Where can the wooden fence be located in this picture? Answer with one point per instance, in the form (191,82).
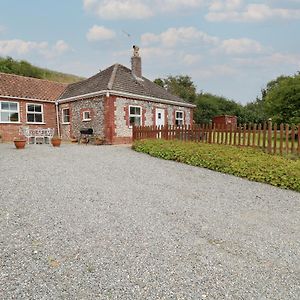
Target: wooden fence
(274,139)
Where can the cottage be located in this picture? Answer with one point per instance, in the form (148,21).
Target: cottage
(26,101)
(110,103)
(114,100)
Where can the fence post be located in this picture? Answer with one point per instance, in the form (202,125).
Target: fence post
(293,139)
(275,138)
(269,137)
(287,129)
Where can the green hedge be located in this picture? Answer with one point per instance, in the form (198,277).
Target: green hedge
(243,162)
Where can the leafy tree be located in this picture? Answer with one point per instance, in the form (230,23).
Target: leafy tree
(180,85)
(281,99)
(209,106)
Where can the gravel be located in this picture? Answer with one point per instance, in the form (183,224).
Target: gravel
(88,222)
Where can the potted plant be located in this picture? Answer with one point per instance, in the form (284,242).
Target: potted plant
(84,140)
(73,139)
(20,142)
(56,141)
(98,140)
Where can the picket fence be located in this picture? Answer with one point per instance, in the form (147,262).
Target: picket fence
(274,139)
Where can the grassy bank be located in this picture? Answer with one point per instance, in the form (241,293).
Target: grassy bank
(243,162)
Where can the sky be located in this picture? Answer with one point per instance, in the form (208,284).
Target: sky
(230,48)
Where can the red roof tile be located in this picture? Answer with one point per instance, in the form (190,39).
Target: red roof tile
(30,88)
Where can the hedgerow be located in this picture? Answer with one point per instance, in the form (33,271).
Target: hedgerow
(249,163)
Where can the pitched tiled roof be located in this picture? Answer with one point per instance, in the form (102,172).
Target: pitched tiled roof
(118,78)
(31,88)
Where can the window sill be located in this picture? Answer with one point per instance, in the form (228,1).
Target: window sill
(36,123)
(10,123)
(86,120)
(67,123)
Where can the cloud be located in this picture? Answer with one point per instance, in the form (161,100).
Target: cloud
(218,5)
(175,36)
(21,47)
(230,11)
(241,46)
(100,33)
(61,47)
(191,59)
(174,5)
(270,60)
(137,9)
(118,9)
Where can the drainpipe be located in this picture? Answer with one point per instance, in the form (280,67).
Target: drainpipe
(57,118)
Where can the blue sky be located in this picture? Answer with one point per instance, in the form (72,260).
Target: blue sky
(229,47)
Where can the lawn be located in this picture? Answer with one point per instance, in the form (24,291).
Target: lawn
(249,163)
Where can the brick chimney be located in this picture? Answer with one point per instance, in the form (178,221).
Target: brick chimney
(136,63)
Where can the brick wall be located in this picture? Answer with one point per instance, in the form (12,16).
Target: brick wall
(11,130)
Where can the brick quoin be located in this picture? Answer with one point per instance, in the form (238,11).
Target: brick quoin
(109,119)
(166,117)
(154,116)
(11,130)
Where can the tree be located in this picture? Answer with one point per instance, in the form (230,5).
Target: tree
(209,106)
(281,99)
(180,85)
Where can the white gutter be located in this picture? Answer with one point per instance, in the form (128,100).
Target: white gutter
(127,95)
(28,99)
(57,118)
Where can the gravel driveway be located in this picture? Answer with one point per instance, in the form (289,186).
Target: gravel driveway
(87,222)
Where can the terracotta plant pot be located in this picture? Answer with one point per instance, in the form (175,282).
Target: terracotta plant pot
(74,140)
(98,141)
(84,140)
(19,143)
(55,142)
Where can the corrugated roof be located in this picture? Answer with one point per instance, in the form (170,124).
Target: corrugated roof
(118,78)
(30,88)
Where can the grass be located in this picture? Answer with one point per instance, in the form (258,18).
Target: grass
(248,163)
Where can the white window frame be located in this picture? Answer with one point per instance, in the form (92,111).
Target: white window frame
(83,116)
(33,112)
(9,111)
(134,115)
(179,119)
(62,115)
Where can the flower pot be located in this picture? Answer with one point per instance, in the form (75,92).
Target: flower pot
(98,141)
(55,142)
(20,144)
(84,140)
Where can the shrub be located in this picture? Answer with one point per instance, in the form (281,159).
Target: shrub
(248,163)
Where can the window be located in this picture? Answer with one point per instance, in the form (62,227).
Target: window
(34,113)
(9,112)
(135,117)
(179,118)
(65,115)
(86,116)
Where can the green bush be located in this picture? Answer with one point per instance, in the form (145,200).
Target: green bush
(243,162)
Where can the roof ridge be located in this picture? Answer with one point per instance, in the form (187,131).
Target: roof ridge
(33,78)
(112,77)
